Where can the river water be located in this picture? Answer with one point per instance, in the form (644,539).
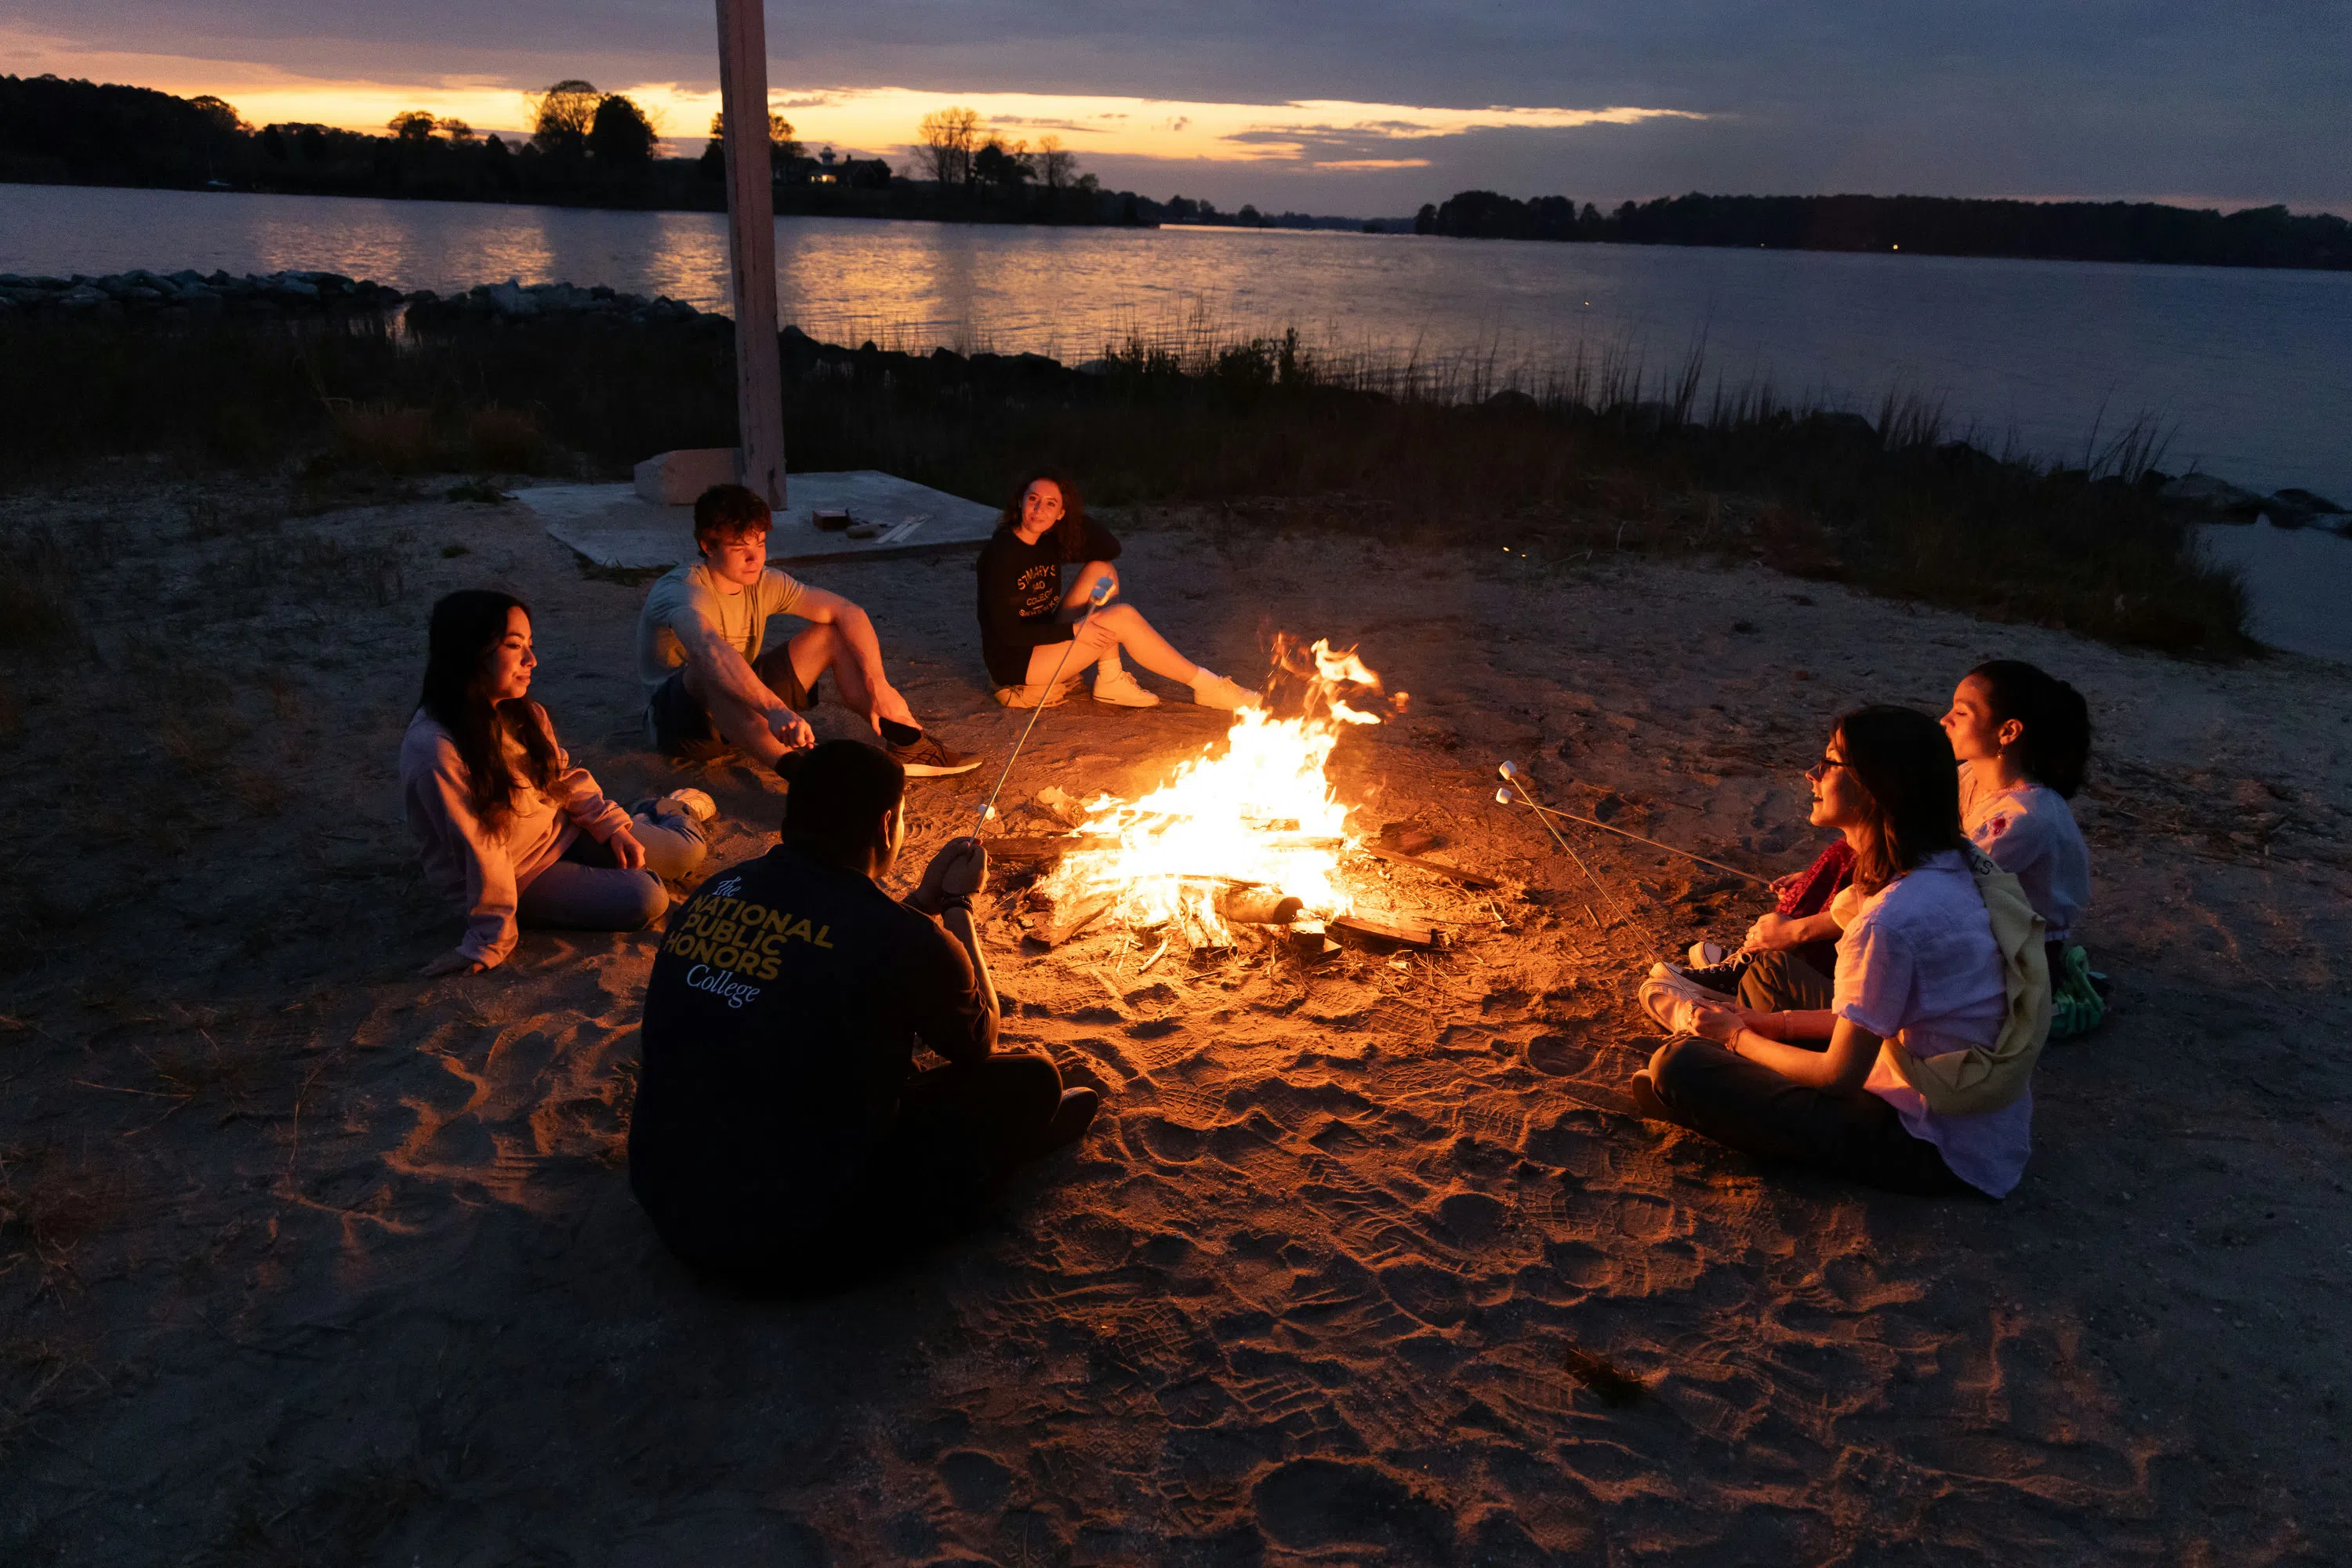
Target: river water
(2250,372)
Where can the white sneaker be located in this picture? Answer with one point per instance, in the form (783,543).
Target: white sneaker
(1707,955)
(695,802)
(1035,696)
(1121,690)
(1673,1000)
(1210,689)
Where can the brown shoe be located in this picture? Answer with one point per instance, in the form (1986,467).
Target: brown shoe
(1644,1095)
(927,759)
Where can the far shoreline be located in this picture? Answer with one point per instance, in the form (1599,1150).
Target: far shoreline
(1389,228)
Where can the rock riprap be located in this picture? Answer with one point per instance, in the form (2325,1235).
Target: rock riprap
(514,299)
(142,292)
(305,292)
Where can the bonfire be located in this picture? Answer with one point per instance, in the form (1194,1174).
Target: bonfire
(1252,831)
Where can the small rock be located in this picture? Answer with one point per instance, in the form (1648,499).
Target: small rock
(510,298)
(2203,492)
(2300,509)
(1058,803)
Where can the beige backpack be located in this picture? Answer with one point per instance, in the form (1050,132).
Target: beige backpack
(1987,1077)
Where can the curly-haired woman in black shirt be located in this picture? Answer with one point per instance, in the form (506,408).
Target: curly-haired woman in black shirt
(1028,620)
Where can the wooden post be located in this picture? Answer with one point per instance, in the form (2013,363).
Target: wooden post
(752,245)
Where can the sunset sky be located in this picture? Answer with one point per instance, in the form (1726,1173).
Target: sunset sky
(1368,108)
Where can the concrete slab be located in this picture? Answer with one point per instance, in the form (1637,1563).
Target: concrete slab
(2298,583)
(612,525)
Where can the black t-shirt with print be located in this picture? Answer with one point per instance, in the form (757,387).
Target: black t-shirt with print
(780,1026)
(1021,595)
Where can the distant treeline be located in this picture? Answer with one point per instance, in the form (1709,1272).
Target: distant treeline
(587,149)
(2071,231)
(1184,209)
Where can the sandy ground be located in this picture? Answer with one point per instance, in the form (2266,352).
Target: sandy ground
(308,1262)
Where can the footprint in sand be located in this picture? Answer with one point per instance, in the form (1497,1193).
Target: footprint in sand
(1559,1056)
(1493,1123)
(977,1483)
(1310,1504)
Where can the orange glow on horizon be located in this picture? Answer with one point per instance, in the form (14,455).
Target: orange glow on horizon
(1323,134)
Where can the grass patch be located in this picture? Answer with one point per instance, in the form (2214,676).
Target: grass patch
(505,440)
(1568,463)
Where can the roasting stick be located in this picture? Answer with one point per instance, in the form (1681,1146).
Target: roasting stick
(1505,797)
(1515,778)
(1095,600)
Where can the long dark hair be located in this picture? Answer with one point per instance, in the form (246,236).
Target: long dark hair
(468,626)
(1070,535)
(2057,740)
(1903,759)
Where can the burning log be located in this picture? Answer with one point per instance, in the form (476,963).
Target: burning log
(1040,848)
(1063,920)
(1258,905)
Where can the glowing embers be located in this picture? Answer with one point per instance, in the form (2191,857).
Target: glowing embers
(1260,815)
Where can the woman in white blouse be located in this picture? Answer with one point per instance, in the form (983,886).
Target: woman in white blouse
(1917,965)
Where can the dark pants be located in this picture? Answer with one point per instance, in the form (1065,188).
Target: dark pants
(1730,976)
(1786,982)
(960,1133)
(1750,1107)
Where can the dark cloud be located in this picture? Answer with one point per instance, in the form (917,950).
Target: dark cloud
(2077,98)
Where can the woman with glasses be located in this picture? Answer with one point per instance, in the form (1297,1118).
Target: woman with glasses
(1914,1073)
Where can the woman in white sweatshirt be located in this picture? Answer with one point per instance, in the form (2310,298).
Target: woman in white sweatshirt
(512,833)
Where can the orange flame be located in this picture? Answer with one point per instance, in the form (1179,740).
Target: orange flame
(1263,812)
